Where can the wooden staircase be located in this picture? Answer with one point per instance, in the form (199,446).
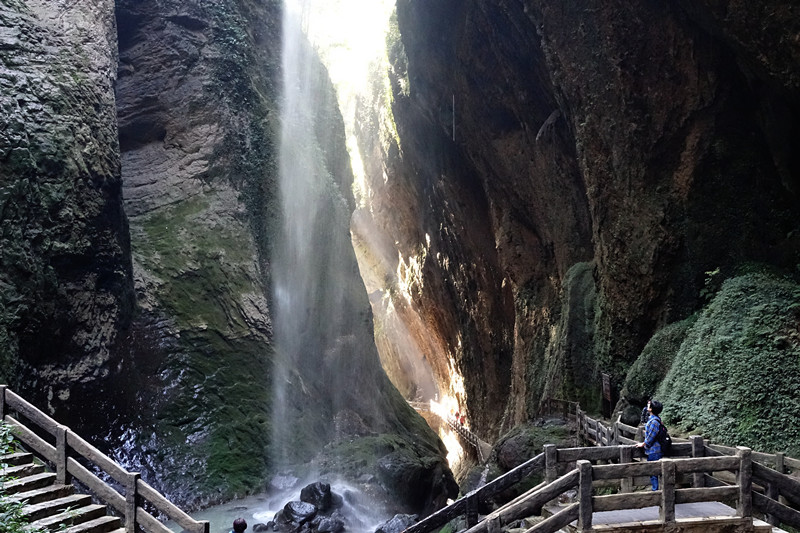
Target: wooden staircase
(48,505)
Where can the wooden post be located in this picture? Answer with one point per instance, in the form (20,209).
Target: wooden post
(780,466)
(667,511)
(780,462)
(550,462)
(130,501)
(472,510)
(771,490)
(626,456)
(698,450)
(639,437)
(3,401)
(584,495)
(204,526)
(745,481)
(62,477)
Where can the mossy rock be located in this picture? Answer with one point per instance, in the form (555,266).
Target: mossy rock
(513,449)
(652,366)
(736,376)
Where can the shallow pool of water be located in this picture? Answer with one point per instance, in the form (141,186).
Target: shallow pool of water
(361,515)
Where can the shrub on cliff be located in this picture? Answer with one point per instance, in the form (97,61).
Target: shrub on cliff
(652,366)
(736,376)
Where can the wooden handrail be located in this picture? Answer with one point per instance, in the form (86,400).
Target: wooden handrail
(693,458)
(768,470)
(585,473)
(497,485)
(532,503)
(58,454)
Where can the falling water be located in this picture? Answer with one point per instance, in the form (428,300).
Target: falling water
(319,324)
(299,264)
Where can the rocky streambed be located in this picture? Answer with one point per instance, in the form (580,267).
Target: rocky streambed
(291,506)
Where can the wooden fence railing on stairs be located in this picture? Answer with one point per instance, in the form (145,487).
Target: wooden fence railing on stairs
(714,474)
(65,451)
(773,489)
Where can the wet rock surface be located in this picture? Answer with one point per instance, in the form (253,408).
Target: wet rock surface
(397,523)
(66,288)
(319,510)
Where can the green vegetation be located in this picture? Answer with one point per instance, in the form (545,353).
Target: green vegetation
(11,518)
(219,401)
(246,74)
(398,61)
(651,367)
(207,265)
(736,376)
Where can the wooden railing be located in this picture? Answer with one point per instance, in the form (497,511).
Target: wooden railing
(468,436)
(775,494)
(750,480)
(468,504)
(64,451)
(552,406)
(584,475)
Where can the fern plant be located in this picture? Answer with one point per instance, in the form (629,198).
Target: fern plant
(12,519)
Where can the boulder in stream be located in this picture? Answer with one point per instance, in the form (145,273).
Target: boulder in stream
(397,523)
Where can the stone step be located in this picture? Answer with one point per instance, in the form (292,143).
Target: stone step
(29,483)
(50,492)
(44,509)
(20,471)
(18,458)
(67,519)
(104,524)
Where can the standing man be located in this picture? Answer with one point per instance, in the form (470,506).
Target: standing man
(651,445)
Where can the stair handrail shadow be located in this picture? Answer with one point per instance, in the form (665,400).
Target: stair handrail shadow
(61,453)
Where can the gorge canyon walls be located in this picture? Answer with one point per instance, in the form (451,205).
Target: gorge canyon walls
(66,287)
(568,178)
(549,185)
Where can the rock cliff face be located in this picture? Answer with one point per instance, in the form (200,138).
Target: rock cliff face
(565,175)
(65,269)
(196,96)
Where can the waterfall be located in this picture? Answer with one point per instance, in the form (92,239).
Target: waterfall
(314,273)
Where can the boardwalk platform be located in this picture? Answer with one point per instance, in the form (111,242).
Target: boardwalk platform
(689,517)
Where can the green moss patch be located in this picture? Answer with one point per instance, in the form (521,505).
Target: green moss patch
(736,376)
(652,366)
(206,266)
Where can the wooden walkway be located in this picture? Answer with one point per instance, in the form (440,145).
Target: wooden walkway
(705,515)
(482,448)
(696,481)
(49,505)
(57,464)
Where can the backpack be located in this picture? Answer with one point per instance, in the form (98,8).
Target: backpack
(663,438)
